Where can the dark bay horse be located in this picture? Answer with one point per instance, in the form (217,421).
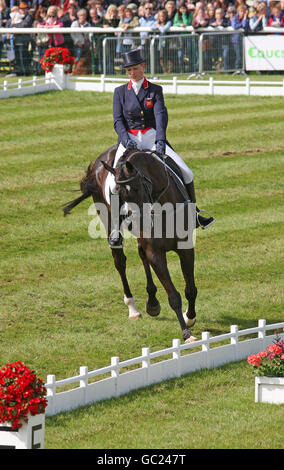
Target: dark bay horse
(143,178)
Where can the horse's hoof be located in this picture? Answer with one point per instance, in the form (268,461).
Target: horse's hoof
(189,321)
(191,339)
(135,316)
(153,310)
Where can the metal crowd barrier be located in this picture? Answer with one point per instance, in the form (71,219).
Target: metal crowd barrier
(167,54)
(221,52)
(185,52)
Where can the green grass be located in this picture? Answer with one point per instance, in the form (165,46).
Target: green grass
(62,300)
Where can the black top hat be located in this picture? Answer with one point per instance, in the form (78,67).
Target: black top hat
(133,57)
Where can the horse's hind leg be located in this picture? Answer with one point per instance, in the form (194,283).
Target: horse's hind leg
(187,265)
(120,264)
(159,264)
(153,307)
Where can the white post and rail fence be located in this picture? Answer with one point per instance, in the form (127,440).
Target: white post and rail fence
(180,359)
(57,81)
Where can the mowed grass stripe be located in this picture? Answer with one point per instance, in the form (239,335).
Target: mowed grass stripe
(46,172)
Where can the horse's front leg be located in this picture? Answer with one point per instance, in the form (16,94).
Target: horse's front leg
(159,264)
(153,307)
(120,264)
(187,265)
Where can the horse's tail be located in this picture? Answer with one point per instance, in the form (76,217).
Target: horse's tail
(69,206)
(87,188)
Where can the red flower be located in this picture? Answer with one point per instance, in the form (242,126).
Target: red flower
(21,393)
(271,361)
(56,55)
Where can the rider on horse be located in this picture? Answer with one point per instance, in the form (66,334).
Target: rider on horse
(140,120)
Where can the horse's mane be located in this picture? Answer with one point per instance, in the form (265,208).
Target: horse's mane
(153,162)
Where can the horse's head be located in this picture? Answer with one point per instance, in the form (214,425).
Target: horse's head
(131,183)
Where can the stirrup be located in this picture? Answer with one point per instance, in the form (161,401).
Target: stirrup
(114,244)
(207,220)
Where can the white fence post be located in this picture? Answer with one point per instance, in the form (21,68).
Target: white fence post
(175,85)
(248,86)
(84,381)
(115,373)
(235,340)
(176,355)
(102,83)
(51,391)
(5,88)
(20,83)
(211,85)
(206,347)
(262,332)
(146,363)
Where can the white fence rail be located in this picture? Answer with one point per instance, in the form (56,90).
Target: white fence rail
(60,81)
(149,373)
(27,87)
(246,87)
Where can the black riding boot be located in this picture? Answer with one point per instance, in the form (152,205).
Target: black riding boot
(203,222)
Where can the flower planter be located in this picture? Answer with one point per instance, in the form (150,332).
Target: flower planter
(269,390)
(29,436)
(59,76)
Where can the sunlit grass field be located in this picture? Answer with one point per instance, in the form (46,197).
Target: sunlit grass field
(62,300)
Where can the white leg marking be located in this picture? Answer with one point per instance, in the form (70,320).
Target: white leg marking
(189,321)
(133,312)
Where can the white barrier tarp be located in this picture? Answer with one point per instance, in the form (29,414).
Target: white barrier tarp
(264,53)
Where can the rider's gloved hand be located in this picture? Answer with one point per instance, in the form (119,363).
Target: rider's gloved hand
(161,147)
(130,144)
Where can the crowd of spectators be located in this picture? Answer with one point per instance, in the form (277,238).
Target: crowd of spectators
(159,15)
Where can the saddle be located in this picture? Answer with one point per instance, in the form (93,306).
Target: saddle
(175,173)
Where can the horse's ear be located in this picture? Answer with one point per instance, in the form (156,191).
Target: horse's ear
(108,167)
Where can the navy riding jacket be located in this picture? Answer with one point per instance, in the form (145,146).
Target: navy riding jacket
(147,109)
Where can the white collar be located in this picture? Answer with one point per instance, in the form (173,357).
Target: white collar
(137,85)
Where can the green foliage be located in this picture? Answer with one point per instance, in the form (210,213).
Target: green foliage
(61,298)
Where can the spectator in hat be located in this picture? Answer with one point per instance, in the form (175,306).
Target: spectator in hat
(22,41)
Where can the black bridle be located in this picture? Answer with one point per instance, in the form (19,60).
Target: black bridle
(146,180)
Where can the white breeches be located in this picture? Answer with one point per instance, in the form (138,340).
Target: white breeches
(146,141)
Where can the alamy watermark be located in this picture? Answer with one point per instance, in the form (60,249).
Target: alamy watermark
(171,221)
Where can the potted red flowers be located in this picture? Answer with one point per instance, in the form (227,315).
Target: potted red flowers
(269,367)
(57,56)
(22,407)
